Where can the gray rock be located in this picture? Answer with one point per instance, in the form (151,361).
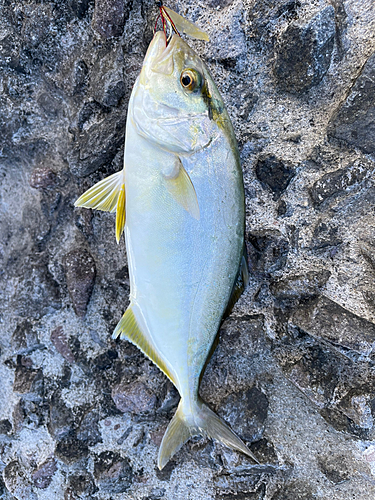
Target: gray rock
(24,338)
(109,17)
(299,286)
(26,378)
(293,370)
(5,426)
(334,184)
(325,319)
(60,342)
(112,472)
(80,485)
(268,252)
(354,121)
(17,482)
(42,477)
(136,398)
(42,178)
(246,411)
(296,490)
(61,420)
(80,271)
(335,468)
(303,54)
(70,450)
(88,430)
(274,173)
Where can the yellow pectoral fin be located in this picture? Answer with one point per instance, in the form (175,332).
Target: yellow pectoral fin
(182,190)
(185,26)
(120,213)
(107,195)
(129,329)
(104,195)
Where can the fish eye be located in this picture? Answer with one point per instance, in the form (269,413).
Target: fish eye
(190,80)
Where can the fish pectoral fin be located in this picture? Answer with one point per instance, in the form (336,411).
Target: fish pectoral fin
(240,284)
(129,329)
(181,189)
(120,213)
(185,26)
(107,195)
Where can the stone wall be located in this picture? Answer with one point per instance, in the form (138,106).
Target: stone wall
(82,416)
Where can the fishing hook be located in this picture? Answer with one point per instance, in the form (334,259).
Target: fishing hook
(166,22)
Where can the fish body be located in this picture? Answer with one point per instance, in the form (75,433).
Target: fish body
(184,229)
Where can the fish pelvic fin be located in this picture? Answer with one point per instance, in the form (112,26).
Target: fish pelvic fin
(182,190)
(199,419)
(107,195)
(128,328)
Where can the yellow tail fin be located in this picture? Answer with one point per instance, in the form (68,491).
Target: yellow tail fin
(195,420)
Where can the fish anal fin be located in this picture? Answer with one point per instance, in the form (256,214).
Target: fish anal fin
(180,187)
(129,329)
(239,285)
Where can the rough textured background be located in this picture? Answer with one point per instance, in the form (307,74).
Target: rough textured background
(82,416)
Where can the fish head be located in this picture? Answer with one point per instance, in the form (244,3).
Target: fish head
(175,102)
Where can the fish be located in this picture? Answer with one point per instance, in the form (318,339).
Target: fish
(179,200)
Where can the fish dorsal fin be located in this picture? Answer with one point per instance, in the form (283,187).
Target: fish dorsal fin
(129,329)
(185,26)
(182,190)
(240,284)
(107,195)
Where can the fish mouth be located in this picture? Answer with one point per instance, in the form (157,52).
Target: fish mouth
(159,56)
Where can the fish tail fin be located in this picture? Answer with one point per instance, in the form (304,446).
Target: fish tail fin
(199,420)
(176,435)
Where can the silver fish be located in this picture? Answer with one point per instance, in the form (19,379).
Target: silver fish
(182,191)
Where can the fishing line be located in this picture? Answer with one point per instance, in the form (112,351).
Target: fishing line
(166,22)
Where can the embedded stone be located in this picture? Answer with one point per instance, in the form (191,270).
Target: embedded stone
(109,17)
(134,398)
(300,286)
(26,378)
(331,185)
(42,178)
(112,472)
(80,271)
(323,318)
(17,482)
(43,476)
(60,342)
(354,121)
(274,173)
(303,54)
